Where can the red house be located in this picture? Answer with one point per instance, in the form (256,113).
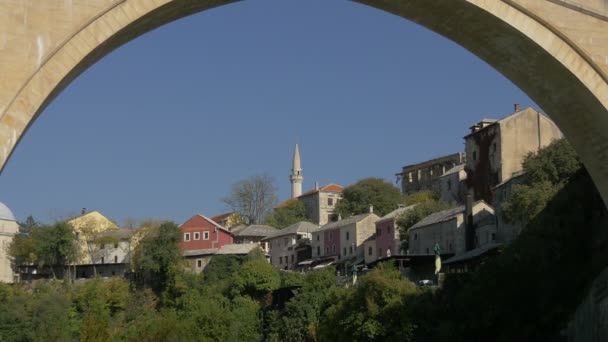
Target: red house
(201,232)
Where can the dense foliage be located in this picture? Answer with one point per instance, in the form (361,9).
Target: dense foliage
(527,293)
(51,246)
(283,217)
(357,198)
(547,172)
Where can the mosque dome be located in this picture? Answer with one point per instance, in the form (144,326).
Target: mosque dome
(6,213)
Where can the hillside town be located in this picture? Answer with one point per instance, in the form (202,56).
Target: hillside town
(474,182)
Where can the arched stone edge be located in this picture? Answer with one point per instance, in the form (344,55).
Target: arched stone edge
(553,73)
(106,31)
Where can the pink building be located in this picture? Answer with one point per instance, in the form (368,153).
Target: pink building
(387,233)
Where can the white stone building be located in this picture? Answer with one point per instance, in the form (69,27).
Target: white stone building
(282,244)
(8,229)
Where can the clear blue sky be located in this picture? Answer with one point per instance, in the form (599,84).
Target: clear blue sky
(164,125)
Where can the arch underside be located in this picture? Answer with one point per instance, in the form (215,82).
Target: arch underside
(573,93)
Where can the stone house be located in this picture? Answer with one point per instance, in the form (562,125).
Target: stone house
(424,176)
(495,149)
(388,241)
(506,232)
(449,229)
(254,234)
(8,229)
(87,226)
(110,254)
(284,244)
(452,185)
(320,202)
(344,238)
(199,259)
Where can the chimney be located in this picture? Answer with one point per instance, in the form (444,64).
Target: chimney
(316,186)
(371,209)
(83,211)
(468,223)
(516,108)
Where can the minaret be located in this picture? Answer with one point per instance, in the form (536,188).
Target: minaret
(296,174)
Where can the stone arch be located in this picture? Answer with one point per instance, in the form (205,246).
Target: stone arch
(516,37)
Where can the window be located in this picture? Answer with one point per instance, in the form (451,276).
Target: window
(318,235)
(205,235)
(427,251)
(319,250)
(415,236)
(326,250)
(187,237)
(197,236)
(330,201)
(333,248)
(102,261)
(199,263)
(449,184)
(493,237)
(116,259)
(280,260)
(350,250)
(474,155)
(347,235)
(388,229)
(494,147)
(292,258)
(370,251)
(286,241)
(331,236)
(450,246)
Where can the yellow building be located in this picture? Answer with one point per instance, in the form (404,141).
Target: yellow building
(86,227)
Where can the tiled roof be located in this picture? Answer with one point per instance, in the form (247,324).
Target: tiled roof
(347,221)
(219,226)
(293,229)
(472,253)
(328,188)
(393,214)
(286,203)
(244,248)
(257,230)
(440,216)
(195,252)
(443,215)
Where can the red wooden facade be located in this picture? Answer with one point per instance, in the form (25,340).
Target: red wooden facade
(200,232)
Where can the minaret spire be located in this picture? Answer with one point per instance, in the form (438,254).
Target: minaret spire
(296,177)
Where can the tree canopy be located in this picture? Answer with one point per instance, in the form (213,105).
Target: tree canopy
(293,212)
(357,198)
(547,171)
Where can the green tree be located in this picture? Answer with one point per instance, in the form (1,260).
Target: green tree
(253,198)
(256,278)
(357,198)
(157,258)
(293,212)
(547,172)
(370,311)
